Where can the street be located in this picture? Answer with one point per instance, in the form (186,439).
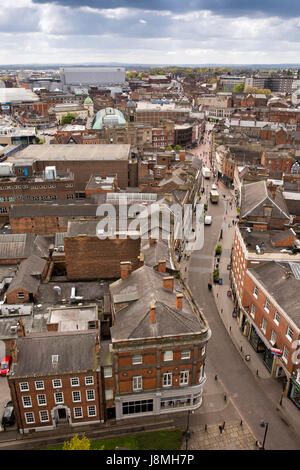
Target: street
(248,395)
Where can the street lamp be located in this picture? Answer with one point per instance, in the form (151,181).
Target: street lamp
(187,431)
(266,426)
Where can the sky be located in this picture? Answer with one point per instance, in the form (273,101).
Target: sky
(170,32)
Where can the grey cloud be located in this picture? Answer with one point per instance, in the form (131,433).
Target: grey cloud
(286,9)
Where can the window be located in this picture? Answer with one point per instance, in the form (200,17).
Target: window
(167,379)
(39,385)
(184,377)
(29,418)
(90,395)
(24,386)
(140,406)
(27,401)
(273,338)
(289,333)
(21,295)
(89,380)
(264,325)
(267,306)
(203,349)
(255,292)
(137,383)
(92,410)
(285,354)
(56,383)
(201,371)
(59,397)
(74,381)
(76,396)
(41,399)
(44,417)
(276,318)
(137,359)
(107,371)
(109,394)
(252,311)
(186,355)
(168,356)
(78,412)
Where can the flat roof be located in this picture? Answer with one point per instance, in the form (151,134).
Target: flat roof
(71,152)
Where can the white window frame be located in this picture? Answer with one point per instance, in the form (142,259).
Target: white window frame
(184,377)
(273,338)
(255,292)
(58,402)
(107,372)
(21,295)
(89,380)
(285,354)
(137,383)
(203,350)
(27,419)
(137,359)
(253,310)
(27,398)
(58,385)
(44,413)
(37,387)
(94,413)
(168,356)
(167,379)
(39,399)
(201,370)
(24,386)
(289,337)
(75,413)
(185,355)
(267,306)
(263,325)
(275,319)
(90,392)
(74,381)
(76,396)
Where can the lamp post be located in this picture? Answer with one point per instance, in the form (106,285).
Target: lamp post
(266,426)
(187,432)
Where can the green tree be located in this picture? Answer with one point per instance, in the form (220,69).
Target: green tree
(67,119)
(239,88)
(77,444)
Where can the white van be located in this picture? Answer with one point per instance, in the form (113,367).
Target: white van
(208,220)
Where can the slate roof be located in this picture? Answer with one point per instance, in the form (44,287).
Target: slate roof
(27,275)
(283,290)
(133,320)
(255,195)
(75,354)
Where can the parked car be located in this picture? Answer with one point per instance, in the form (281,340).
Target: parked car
(5,365)
(208,220)
(213,186)
(8,417)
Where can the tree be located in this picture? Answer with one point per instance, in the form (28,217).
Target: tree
(77,444)
(239,88)
(67,119)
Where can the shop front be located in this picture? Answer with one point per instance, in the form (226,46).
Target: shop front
(294,392)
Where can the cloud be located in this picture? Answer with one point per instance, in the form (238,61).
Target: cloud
(286,9)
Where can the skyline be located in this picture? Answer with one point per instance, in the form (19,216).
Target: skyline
(198,32)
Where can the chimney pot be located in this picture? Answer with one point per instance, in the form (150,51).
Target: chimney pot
(168,283)
(162,266)
(126,268)
(179,299)
(153,312)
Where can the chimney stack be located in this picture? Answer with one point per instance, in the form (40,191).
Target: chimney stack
(21,328)
(153,312)
(97,346)
(162,266)
(168,283)
(179,298)
(14,351)
(126,268)
(182,155)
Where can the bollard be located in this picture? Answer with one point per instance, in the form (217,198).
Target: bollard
(225,397)
(241,423)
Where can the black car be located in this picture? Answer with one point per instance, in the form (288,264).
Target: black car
(8,418)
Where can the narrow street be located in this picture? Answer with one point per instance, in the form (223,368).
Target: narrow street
(247,394)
